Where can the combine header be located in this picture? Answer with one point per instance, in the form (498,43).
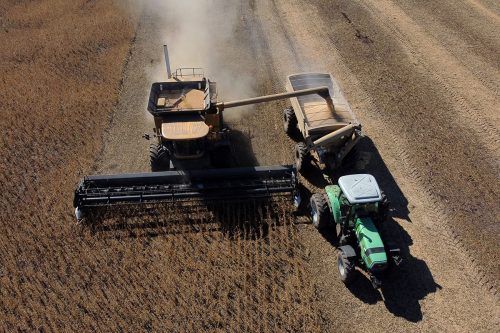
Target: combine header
(192,157)
(210,185)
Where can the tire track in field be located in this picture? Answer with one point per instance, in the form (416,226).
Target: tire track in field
(432,211)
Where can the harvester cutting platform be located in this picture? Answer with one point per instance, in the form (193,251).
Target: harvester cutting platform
(191,160)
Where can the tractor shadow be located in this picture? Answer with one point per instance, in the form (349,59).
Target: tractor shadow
(411,282)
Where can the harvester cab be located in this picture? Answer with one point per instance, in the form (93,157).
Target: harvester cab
(191,158)
(357,209)
(189,132)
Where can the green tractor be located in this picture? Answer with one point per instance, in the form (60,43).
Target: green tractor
(357,208)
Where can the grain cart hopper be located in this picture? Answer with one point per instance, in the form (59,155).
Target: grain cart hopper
(191,157)
(356,209)
(328,129)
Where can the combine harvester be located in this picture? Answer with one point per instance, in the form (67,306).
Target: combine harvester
(191,160)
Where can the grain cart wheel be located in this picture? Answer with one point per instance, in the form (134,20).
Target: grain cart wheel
(345,264)
(302,156)
(290,122)
(320,212)
(159,158)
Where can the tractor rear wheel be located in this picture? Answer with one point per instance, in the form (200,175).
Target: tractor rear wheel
(346,267)
(320,212)
(159,158)
(290,122)
(302,156)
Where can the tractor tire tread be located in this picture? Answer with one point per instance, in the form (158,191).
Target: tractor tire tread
(302,156)
(320,202)
(290,122)
(349,268)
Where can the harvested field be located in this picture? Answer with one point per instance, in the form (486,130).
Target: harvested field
(422,77)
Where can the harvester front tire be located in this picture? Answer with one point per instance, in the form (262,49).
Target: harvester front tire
(290,122)
(320,212)
(159,158)
(302,157)
(347,269)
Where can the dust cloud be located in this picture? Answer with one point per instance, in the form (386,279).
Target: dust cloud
(197,33)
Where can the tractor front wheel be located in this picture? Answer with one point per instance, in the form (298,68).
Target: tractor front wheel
(159,158)
(302,156)
(346,267)
(320,212)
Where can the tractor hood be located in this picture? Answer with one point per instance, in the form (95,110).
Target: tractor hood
(184,128)
(371,245)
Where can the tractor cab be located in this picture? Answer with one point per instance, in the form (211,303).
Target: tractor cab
(361,193)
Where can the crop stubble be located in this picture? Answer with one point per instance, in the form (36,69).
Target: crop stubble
(227,271)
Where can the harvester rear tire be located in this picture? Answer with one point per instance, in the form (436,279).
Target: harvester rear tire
(159,158)
(302,157)
(290,122)
(347,269)
(320,212)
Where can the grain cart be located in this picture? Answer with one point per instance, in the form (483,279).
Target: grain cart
(357,209)
(328,129)
(191,158)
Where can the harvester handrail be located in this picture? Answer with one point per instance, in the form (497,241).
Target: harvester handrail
(194,71)
(322,91)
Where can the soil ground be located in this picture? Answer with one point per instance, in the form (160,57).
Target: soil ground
(422,76)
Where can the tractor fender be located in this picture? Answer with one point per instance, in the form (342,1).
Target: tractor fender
(333,193)
(348,250)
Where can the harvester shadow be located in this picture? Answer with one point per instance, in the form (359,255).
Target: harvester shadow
(249,220)
(241,144)
(410,283)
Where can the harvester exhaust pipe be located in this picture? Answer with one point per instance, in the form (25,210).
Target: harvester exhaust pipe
(322,91)
(167,61)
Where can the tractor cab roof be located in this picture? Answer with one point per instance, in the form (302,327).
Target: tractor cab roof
(361,188)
